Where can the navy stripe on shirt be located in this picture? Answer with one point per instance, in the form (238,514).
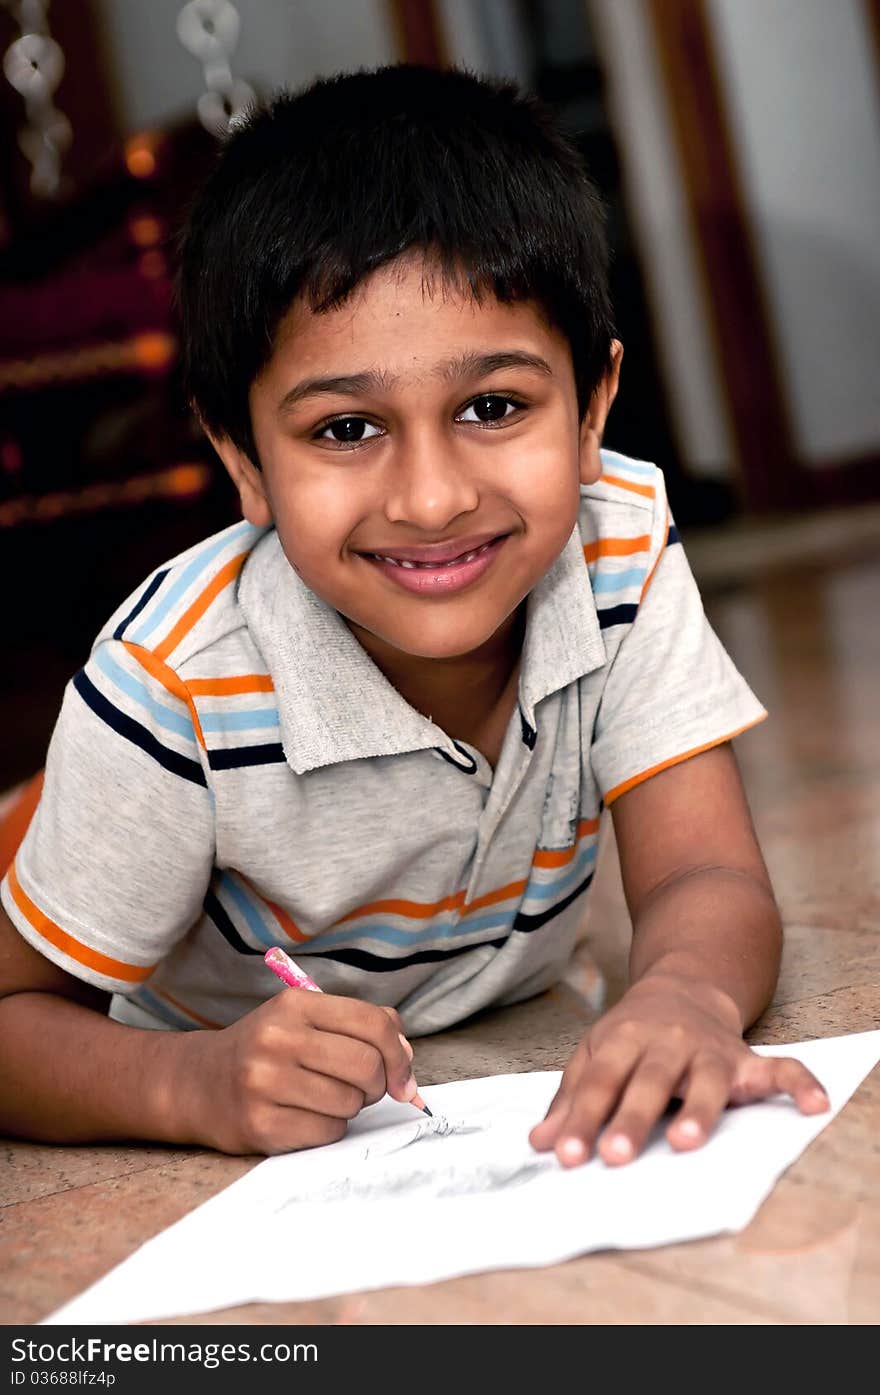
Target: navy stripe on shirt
(235,756)
(625,614)
(526,923)
(216,912)
(139,605)
(378,964)
(616,615)
(139,736)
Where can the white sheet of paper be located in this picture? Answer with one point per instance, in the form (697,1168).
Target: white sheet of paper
(391,1205)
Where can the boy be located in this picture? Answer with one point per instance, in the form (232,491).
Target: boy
(377,721)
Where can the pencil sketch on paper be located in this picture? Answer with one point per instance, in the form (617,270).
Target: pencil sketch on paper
(388,1168)
(428,1126)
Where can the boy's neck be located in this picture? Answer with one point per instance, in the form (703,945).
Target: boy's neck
(458,693)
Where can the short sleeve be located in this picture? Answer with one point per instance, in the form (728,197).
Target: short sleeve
(672,689)
(115,864)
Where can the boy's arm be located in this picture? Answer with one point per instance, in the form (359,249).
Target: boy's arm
(69,1073)
(696,884)
(707,940)
(288,1075)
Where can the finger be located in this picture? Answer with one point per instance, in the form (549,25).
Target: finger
(287,1130)
(761,1076)
(599,1087)
(369,1024)
(346,1059)
(753,1079)
(543,1135)
(300,1088)
(650,1087)
(707,1094)
(791,1077)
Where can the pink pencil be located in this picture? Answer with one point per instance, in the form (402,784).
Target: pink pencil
(291,974)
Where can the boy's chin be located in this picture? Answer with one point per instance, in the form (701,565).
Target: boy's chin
(424,644)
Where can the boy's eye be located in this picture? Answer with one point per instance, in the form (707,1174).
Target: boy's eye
(347,431)
(489,408)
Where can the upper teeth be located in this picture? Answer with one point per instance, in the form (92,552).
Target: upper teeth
(455,561)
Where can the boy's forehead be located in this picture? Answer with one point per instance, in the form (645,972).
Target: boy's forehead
(406,317)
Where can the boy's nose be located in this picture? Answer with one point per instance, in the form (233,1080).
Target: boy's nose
(428,486)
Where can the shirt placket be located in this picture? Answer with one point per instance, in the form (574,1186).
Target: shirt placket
(520,741)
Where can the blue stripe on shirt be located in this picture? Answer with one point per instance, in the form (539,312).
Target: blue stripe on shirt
(189,574)
(138,735)
(163,716)
(624,465)
(618,581)
(245,906)
(239,721)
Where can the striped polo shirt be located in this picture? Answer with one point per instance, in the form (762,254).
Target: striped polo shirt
(230,771)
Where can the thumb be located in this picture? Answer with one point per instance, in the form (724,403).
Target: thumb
(395,1018)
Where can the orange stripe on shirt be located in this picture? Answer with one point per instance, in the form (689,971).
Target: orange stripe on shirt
(616,547)
(650,577)
(676,760)
(194,612)
(90,958)
(559,857)
(187,1012)
(288,925)
(646,489)
(415,910)
(231,687)
(491,898)
(169,680)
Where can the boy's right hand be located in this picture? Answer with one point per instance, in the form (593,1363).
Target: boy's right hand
(291,1073)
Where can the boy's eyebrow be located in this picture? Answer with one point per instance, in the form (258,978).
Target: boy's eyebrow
(465,365)
(474,365)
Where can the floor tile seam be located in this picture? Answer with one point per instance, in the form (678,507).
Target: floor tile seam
(6,1206)
(826,929)
(829,993)
(798,1002)
(715,1290)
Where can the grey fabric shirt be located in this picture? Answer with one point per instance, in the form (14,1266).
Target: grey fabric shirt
(231,771)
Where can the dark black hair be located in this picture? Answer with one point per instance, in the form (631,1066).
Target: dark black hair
(318,188)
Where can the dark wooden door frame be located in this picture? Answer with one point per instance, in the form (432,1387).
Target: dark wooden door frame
(419,32)
(771,475)
(734,299)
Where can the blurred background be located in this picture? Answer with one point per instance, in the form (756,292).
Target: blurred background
(736,142)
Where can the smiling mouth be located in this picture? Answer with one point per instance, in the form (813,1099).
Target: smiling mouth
(433,566)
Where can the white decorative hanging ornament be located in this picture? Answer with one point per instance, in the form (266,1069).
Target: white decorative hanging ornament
(209,30)
(34,65)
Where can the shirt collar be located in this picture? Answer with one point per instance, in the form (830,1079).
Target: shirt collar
(563,641)
(335,704)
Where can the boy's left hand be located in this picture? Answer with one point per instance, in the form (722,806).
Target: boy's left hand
(668,1038)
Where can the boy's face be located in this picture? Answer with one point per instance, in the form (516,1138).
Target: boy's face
(409,423)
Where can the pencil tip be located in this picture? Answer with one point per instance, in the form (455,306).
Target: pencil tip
(421,1105)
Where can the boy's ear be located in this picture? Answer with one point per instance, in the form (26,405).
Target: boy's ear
(596,415)
(247,479)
